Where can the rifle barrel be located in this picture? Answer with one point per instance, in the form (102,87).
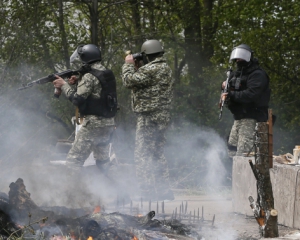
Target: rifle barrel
(52,77)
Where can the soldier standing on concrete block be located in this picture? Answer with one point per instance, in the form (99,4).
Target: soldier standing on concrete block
(151,85)
(247,98)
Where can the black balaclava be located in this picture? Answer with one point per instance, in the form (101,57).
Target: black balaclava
(243,64)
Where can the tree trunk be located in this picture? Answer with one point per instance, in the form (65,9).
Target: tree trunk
(208,31)
(263,209)
(63,34)
(136,17)
(93,8)
(193,41)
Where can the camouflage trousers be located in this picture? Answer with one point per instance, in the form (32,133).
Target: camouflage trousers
(151,165)
(242,136)
(94,136)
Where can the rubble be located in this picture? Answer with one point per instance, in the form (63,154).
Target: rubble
(19,215)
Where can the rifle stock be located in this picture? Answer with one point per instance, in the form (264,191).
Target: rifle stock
(225,90)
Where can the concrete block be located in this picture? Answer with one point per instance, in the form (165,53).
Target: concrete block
(284,178)
(243,185)
(285,181)
(297,200)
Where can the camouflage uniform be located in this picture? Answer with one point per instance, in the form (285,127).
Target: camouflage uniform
(242,136)
(151,93)
(95,133)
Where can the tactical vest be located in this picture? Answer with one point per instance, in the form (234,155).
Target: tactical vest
(258,109)
(238,83)
(106,105)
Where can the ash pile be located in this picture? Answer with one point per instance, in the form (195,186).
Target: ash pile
(21,217)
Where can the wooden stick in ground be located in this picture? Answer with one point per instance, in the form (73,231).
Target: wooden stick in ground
(265,199)
(270,138)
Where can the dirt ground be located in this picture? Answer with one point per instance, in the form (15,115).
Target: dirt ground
(227,224)
(220,222)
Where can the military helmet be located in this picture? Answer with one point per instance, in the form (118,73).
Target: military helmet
(243,52)
(151,47)
(88,53)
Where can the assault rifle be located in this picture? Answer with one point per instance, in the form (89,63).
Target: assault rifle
(50,78)
(225,90)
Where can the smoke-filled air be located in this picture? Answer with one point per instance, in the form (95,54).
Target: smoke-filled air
(140,119)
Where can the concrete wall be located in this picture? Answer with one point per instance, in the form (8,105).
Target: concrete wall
(243,185)
(285,184)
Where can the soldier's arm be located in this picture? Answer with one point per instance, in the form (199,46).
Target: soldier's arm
(140,78)
(84,88)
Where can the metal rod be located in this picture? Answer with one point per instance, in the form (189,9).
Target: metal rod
(213,221)
(179,216)
(194,215)
(186,205)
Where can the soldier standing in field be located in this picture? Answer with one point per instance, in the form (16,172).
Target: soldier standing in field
(151,92)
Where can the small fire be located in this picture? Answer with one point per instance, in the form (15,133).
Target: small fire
(90,238)
(72,235)
(140,215)
(97,209)
(133,236)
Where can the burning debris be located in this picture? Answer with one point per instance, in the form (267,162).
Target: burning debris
(18,211)
(7,226)
(19,198)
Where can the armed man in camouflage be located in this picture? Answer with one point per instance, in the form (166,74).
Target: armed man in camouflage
(151,92)
(84,92)
(247,98)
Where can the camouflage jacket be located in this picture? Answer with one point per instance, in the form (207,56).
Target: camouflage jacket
(151,85)
(88,85)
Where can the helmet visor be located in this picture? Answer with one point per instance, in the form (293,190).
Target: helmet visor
(240,53)
(75,57)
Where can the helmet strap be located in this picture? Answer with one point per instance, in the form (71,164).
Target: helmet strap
(146,59)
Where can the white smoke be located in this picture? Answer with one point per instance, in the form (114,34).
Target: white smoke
(191,149)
